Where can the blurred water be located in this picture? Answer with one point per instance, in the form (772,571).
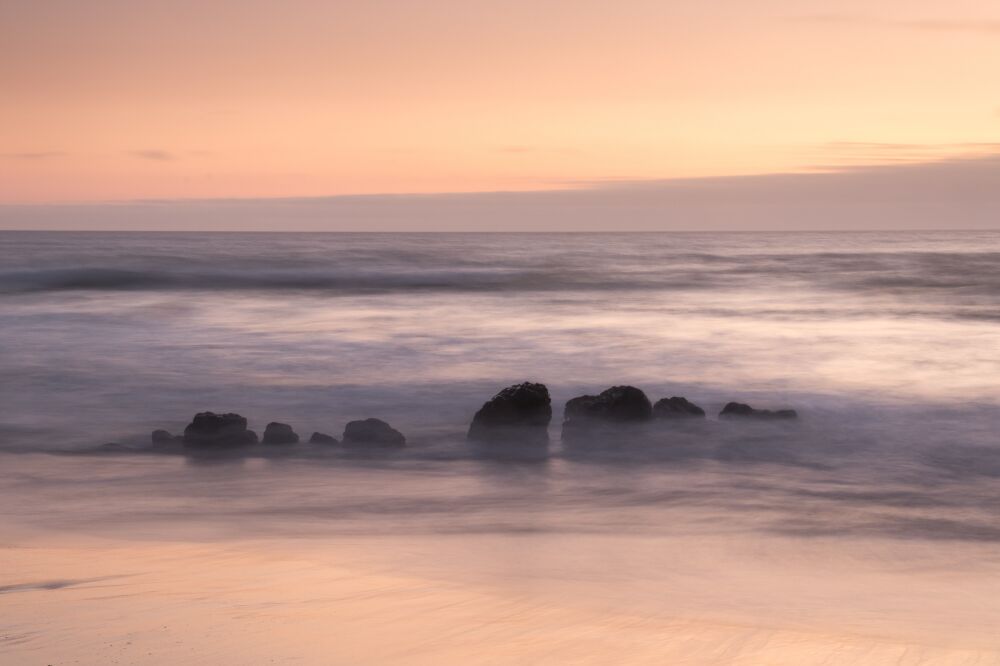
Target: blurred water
(888,345)
(103,333)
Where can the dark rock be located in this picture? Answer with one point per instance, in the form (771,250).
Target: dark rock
(162,437)
(114,447)
(322,438)
(279,433)
(519,409)
(738,410)
(617,404)
(677,408)
(580,407)
(372,431)
(210,429)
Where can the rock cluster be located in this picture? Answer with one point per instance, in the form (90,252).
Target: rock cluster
(520,413)
(209,430)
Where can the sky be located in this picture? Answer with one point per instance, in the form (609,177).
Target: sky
(203,106)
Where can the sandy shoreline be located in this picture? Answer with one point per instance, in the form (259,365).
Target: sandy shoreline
(146,560)
(100,601)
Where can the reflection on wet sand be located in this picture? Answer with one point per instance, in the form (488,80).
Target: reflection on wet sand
(335,602)
(150,559)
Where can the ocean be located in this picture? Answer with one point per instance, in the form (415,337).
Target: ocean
(865,531)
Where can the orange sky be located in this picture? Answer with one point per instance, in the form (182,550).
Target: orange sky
(117,99)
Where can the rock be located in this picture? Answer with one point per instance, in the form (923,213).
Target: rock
(581,406)
(322,438)
(279,433)
(372,431)
(677,408)
(162,437)
(617,404)
(210,429)
(114,447)
(738,410)
(519,409)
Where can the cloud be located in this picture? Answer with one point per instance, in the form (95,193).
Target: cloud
(944,25)
(154,155)
(33,156)
(953,193)
(860,152)
(982,26)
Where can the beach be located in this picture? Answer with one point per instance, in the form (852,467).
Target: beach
(281,590)
(863,532)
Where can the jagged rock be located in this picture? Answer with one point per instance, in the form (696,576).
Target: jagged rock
(372,431)
(617,404)
(279,433)
(738,410)
(322,438)
(162,437)
(677,408)
(210,429)
(521,409)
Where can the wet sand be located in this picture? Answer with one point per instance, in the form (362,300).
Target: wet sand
(135,583)
(100,602)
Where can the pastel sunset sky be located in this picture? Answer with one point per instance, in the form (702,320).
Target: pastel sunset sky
(118,100)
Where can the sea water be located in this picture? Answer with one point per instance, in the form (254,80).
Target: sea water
(868,528)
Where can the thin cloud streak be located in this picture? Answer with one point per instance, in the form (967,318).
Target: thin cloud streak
(856,153)
(41,155)
(154,155)
(942,25)
(984,26)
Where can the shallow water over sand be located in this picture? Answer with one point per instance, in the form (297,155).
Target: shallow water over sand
(153,560)
(864,533)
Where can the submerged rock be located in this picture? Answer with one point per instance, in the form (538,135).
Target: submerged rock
(516,411)
(677,408)
(737,410)
(322,438)
(618,404)
(279,433)
(210,429)
(373,431)
(114,447)
(162,437)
